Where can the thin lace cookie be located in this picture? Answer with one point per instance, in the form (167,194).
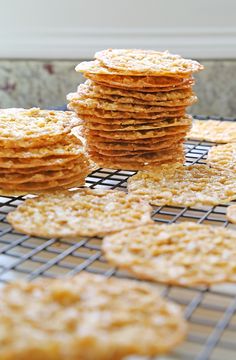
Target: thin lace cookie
(99,90)
(148,62)
(83,212)
(185,254)
(213,130)
(178,185)
(86,317)
(31,127)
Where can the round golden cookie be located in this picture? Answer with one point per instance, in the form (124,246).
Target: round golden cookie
(90,87)
(71,178)
(87,317)
(185,254)
(37,187)
(214,131)
(105,143)
(85,92)
(37,169)
(69,146)
(100,90)
(148,62)
(123,151)
(149,156)
(84,212)
(166,113)
(135,83)
(194,185)
(106,121)
(223,156)
(231,213)
(73,181)
(96,68)
(138,82)
(97,138)
(113,147)
(135,134)
(34,127)
(49,161)
(111,126)
(42,176)
(92,103)
(93,150)
(13,178)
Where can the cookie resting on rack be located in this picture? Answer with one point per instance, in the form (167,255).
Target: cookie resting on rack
(86,317)
(213,130)
(178,185)
(82,212)
(185,254)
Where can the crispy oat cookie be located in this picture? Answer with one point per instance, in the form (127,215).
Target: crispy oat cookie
(84,92)
(100,136)
(174,95)
(111,126)
(107,121)
(231,213)
(82,110)
(69,146)
(79,213)
(114,149)
(32,127)
(90,103)
(129,153)
(37,169)
(95,136)
(163,154)
(135,134)
(72,180)
(148,62)
(141,83)
(97,68)
(49,188)
(43,176)
(223,156)
(213,130)
(195,185)
(50,161)
(86,317)
(185,254)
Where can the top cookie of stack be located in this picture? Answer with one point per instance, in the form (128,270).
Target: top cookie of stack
(39,152)
(133,107)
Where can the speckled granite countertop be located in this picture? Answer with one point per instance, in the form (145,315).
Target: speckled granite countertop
(46,83)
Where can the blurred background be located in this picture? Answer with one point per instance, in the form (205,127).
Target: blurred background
(42,41)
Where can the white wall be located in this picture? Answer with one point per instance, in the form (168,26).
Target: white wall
(72,29)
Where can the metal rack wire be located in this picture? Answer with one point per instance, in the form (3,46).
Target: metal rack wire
(211,312)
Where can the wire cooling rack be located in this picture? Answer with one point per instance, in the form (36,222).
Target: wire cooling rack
(211,312)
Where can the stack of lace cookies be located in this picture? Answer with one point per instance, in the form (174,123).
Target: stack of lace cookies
(133,106)
(39,151)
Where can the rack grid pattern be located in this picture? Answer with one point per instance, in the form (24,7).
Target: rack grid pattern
(211,312)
